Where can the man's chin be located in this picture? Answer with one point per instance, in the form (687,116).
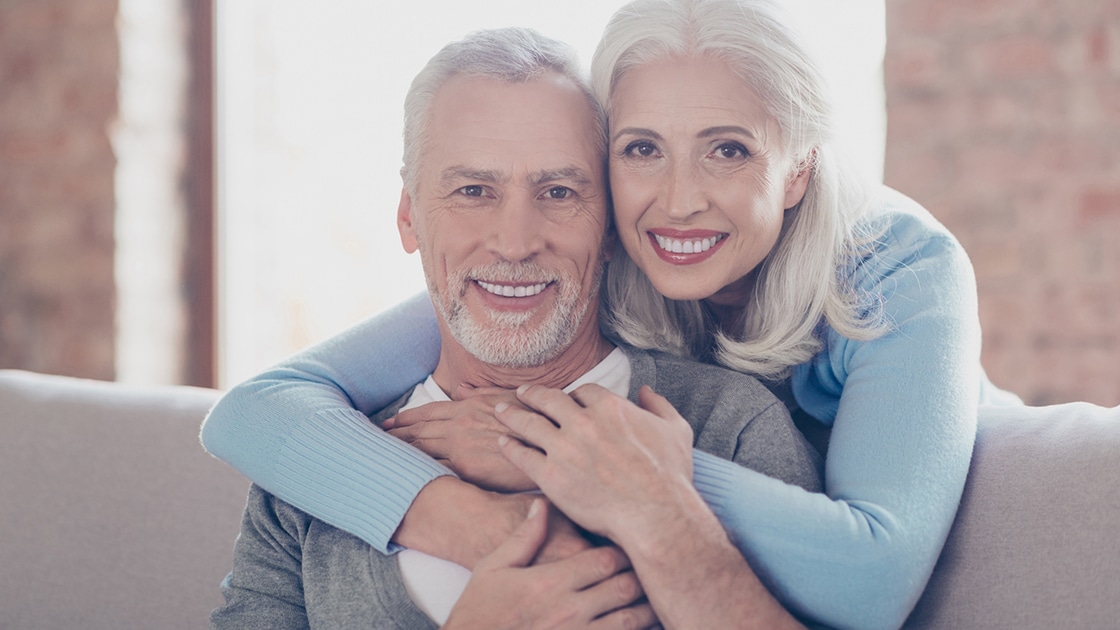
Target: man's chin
(511,348)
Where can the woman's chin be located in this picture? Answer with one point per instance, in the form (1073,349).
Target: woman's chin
(682,288)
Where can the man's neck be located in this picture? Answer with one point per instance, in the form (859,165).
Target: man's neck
(457,366)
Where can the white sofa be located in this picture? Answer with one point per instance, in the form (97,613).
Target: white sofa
(112,516)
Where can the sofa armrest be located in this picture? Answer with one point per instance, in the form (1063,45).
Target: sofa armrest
(113,516)
(1034,544)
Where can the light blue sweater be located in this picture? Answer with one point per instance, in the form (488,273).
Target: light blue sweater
(902,409)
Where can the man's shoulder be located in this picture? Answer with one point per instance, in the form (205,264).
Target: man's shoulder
(675,376)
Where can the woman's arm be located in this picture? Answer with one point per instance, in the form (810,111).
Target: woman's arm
(625,472)
(300,430)
(904,411)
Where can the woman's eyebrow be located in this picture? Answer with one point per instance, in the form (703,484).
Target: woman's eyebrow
(725,129)
(637,131)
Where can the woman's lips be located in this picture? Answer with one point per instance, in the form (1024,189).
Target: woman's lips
(685,247)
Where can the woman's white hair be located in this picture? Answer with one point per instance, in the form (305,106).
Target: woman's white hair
(804,280)
(513,55)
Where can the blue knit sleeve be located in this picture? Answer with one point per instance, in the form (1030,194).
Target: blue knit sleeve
(300,429)
(903,409)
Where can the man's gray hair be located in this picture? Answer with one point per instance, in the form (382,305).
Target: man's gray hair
(513,55)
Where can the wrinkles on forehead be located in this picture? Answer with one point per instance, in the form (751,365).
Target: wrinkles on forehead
(573,174)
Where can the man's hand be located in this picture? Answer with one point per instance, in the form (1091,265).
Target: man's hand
(591,589)
(463,435)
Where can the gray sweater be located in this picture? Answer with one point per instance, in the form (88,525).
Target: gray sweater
(291,570)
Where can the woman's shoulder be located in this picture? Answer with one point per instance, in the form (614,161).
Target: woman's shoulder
(899,220)
(900,233)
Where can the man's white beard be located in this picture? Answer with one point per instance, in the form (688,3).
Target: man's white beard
(510,339)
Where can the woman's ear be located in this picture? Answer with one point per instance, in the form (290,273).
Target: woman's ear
(798,180)
(405,222)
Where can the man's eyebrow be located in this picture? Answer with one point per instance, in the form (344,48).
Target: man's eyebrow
(637,131)
(572,173)
(464,172)
(719,131)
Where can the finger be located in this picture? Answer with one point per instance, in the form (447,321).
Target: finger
(519,549)
(591,393)
(466,390)
(423,413)
(528,460)
(553,403)
(531,427)
(620,590)
(433,445)
(636,616)
(656,404)
(588,568)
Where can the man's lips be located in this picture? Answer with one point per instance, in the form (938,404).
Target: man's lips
(680,247)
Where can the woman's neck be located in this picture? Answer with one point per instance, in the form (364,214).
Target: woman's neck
(728,306)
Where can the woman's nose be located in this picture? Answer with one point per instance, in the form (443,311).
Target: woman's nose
(685,195)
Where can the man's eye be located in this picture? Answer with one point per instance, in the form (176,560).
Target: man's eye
(559,192)
(471,191)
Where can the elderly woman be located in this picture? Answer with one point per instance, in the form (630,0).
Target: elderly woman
(747,243)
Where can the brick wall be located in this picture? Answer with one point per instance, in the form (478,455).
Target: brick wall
(58,97)
(1004,121)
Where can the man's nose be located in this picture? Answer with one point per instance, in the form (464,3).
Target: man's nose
(519,230)
(684,191)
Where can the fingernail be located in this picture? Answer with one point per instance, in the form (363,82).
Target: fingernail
(534,507)
(503,440)
(500,407)
(388,424)
(522,389)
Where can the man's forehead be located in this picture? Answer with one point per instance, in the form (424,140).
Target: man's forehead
(571,173)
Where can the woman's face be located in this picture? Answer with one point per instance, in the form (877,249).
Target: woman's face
(699,178)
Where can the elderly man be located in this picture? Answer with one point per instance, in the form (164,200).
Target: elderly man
(505,199)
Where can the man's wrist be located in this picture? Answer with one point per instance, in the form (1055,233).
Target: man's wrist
(454,520)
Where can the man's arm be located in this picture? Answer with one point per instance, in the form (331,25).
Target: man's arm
(265,588)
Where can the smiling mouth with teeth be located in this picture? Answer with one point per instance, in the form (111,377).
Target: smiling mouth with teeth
(687,246)
(506,290)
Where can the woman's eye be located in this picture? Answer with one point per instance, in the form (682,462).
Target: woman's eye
(640,149)
(559,192)
(731,151)
(471,191)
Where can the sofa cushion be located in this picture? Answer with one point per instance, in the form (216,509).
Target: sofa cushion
(1034,544)
(113,516)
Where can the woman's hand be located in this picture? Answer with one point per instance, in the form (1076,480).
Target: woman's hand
(615,468)
(463,435)
(592,589)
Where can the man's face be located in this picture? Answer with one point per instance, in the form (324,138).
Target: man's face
(509,215)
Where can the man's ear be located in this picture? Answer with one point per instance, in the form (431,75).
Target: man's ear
(799,180)
(405,222)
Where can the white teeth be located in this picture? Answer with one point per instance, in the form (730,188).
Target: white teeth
(506,290)
(687,247)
